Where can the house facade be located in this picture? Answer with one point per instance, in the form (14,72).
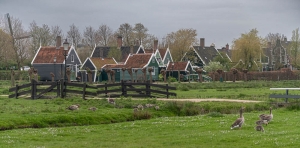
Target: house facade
(200,56)
(51,59)
(136,62)
(275,57)
(185,68)
(94,64)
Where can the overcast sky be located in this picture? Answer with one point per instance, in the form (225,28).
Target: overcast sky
(218,21)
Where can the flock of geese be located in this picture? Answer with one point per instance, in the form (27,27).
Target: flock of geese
(263,119)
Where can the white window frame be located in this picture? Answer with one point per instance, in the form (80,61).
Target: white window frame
(153,72)
(72,58)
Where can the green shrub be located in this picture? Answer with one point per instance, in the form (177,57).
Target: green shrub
(215,114)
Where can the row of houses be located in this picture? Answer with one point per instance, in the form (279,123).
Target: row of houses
(52,60)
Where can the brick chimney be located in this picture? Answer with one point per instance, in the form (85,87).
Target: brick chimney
(119,42)
(269,44)
(202,42)
(227,46)
(101,53)
(131,49)
(58,42)
(155,44)
(137,43)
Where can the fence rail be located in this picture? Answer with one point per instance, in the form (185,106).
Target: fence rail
(39,89)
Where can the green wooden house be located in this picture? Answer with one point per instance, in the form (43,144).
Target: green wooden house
(135,62)
(95,64)
(177,68)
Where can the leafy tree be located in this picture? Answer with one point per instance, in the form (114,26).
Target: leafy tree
(248,49)
(213,67)
(224,61)
(115,53)
(180,41)
(74,35)
(294,48)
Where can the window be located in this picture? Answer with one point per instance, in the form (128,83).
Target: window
(153,72)
(72,58)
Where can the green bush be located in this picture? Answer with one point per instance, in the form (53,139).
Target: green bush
(171,79)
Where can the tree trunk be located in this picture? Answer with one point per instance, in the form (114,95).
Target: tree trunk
(12,76)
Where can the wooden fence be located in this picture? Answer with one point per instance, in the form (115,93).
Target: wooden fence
(62,89)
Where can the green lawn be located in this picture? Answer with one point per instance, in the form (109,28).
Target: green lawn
(195,131)
(47,122)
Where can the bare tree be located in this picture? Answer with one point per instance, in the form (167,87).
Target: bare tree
(74,35)
(140,32)
(90,38)
(55,31)
(126,31)
(105,34)
(272,37)
(41,36)
(6,50)
(19,44)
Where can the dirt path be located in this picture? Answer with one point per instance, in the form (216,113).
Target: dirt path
(198,100)
(211,100)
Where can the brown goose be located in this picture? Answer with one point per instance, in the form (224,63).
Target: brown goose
(267,117)
(261,122)
(93,108)
(73,107)
(239,121)
(259,128)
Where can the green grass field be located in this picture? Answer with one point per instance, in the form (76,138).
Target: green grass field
(47,123)
(192,131)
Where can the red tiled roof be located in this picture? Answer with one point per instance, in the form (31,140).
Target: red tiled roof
(46,55)
(138,60)
(162,52)
(114,66)
(99,62)
(177,66)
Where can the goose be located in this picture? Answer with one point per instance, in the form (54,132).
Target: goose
(110,100)
(239,121)
(259,128)
(93,108)
(73,107)
(260,122)
(266,117)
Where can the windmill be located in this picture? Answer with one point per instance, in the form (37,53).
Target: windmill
(14,39)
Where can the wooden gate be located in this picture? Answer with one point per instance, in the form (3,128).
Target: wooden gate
(36,90)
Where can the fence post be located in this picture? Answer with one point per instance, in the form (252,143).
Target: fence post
(62,88)
(84,88)
(105,89)
(122,85)
(148,93)
(17,87)
(58,88)
(167,90)
(33,89)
